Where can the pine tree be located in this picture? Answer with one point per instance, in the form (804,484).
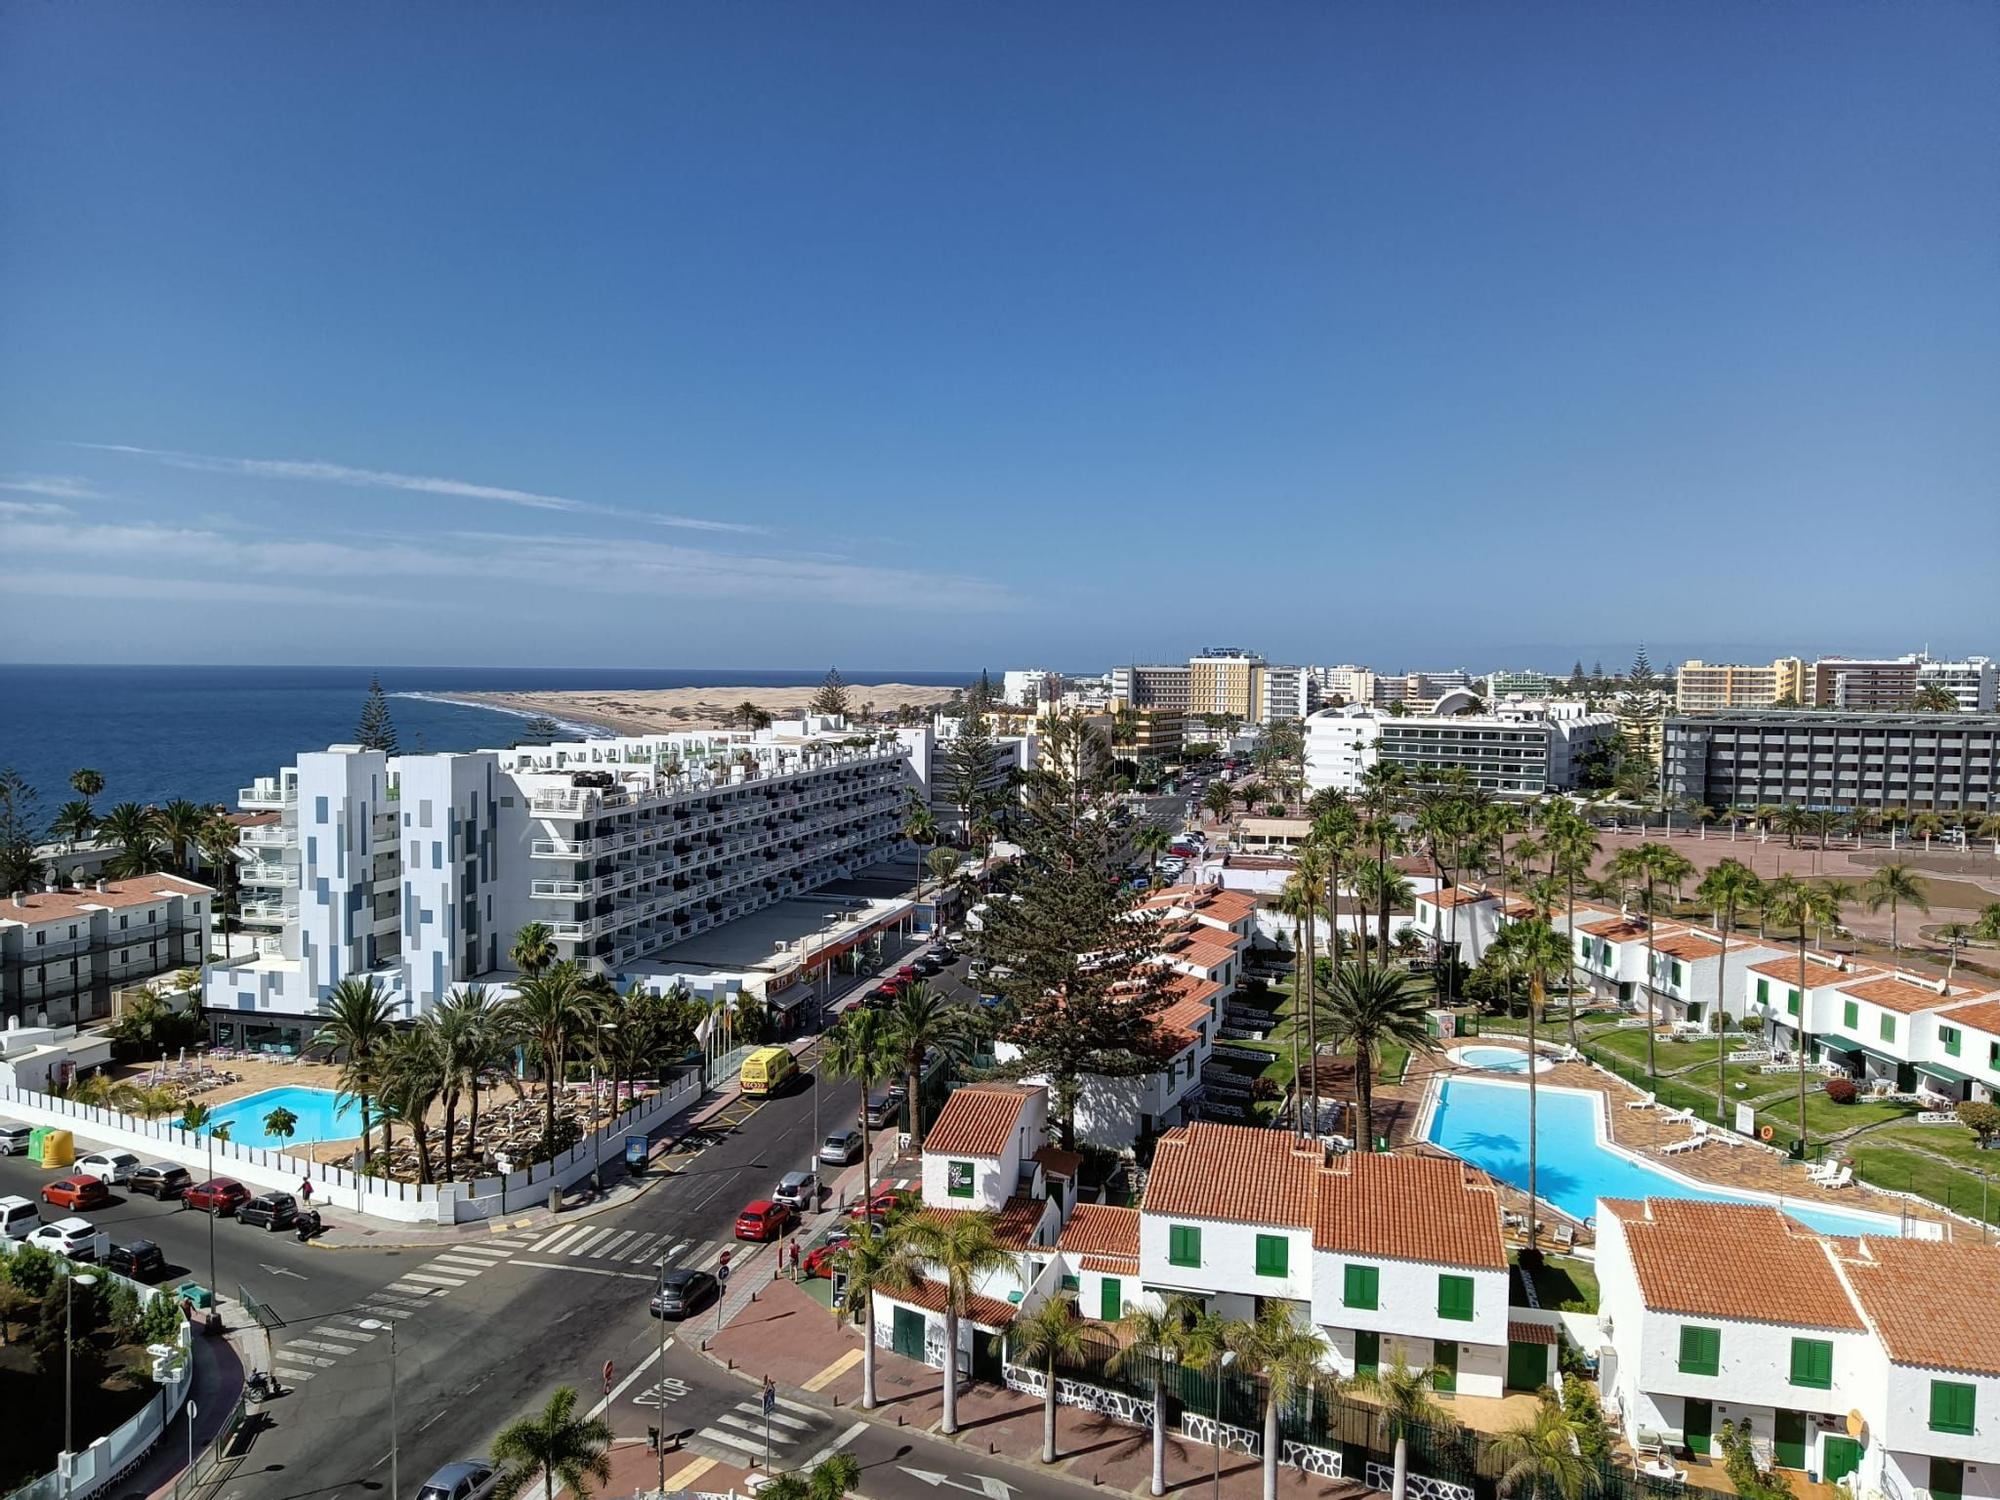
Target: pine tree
(1641,676)
(968,763)
(832,696)
(540,730)
(1576,678)
(377,731)
(1074,965)
(982,696)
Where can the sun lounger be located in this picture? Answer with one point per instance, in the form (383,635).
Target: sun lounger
(1564,1236)
(1843,1178)
(1690,1143)
(1642,1103)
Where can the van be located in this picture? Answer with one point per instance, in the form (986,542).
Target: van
(18,1218)
(766,1071)
(885,1107)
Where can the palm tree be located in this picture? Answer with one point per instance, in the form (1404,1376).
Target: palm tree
(1152,841)
(1534,949)
(356,1028)
(1542,1457)
(1792,901)
(551,1009)
(534,948)
(942,863)
(180,823)
(73,822)
(1294,901)
(1310,868)
(919,1020)
(959,1250)
(1288,1357)
(1050,1335)
(1729,886)
(920,827)
(1150,1339)
(86,783)
(412,1079)
(1572,843)
(1954,936)
(832,1478)
(218,842)
(454,1028)
(282,1123)
(1219,801)
(1896,886)
(874,1261)
(1987,928)
(135,830)
(1928,824)
(1406,1394)
(1648,866)
(857,1048)
(1367,1007)
(555,1447)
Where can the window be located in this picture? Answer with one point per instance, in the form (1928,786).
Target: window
(1455,1298)
(1888,1028)
(1701,1350)
(1583,948)
(1850,1015)
(1812,1363)
(1951,1407)
(1361,1287)
(1993,1056)
(1271,1254)
(1791,1002)
(1071,1284)
(1763,992)
(1677,971)
(1949,1036)
(1183,1245)
(958,1179)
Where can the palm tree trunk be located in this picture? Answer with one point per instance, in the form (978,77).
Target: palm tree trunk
(1722,1041)
(450,1120)
(868,1358)
(1571,935)
(472,1125)
(1049,1413)
(1534,1005)
(949,1425)
(1364,1093)
(1652,1067)
(1312,1020)
(867,1187)
(913,1068)
(1271,1447)
(1298,1078)
(365,1132)
(1400,1480)
(1804,1002)
(1159,1485)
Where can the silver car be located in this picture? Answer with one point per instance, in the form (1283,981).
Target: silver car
(460,1481)
(798,1189)
(840,1148)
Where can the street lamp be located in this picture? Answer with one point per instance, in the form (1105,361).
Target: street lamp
(597,1127)
(69,1346)
(1221,1368)
(376,1325)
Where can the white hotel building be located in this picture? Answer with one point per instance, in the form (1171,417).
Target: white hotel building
(417,870)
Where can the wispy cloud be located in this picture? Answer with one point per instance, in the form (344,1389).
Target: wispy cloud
(33,508)
(54,486)
(155,588)
(385,479)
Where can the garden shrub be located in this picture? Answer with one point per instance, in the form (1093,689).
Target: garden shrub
(1842,1090)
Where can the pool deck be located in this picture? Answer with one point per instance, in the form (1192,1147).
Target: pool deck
(1643,1132)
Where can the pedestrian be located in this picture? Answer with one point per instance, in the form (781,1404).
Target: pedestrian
(306,1191)
(795,1260)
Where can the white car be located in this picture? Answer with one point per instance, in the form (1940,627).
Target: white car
(74,1239)
(115,1168)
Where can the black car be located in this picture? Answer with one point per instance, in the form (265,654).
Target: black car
(162,1179)
(683,1293)
(927,965)
(269,1211)
(141,1260)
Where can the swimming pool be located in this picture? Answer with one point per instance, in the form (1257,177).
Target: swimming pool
(1486,1122)
(323,1116)
(1497,1059)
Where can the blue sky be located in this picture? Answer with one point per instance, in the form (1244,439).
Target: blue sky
(932,336)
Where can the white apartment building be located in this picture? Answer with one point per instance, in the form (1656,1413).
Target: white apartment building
(1350,684)
(1463,918)
(1874,1360)
(929,749)
(1287,693)
(1689,977)
(1168,685)
(416,870)
(1522,750)
(1972,681)
(1030,687)
(64,950)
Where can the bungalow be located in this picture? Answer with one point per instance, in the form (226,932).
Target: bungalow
(1688,971)
(1229,911)
(1977,1043)
(1890,1027)
(1117,1112)
(1611,952)
(1462,918)
(1774,1003)
(1202,952)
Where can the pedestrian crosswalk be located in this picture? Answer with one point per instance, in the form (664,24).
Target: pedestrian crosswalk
(741,1432)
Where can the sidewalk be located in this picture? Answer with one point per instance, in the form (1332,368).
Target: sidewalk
(814,1357)
(219,1367)
(635,1470)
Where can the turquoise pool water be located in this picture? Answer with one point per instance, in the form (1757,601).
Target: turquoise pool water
(323,1116)
(1487,1124)
(1494,1059)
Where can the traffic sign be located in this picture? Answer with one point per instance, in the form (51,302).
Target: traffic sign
(722,1273)
(770,1396)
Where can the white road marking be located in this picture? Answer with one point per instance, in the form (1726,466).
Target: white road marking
(357,1335)
(295,1376)
(583,1246)
(460,1267)
(557,1265)
(410,1290)
(385,1312)
(844,1441)
(799,1407)
(432,1278)
(781,1419)
(307,1359)
(609,1251)
(755,1427)
(753,1451)
(563,1233)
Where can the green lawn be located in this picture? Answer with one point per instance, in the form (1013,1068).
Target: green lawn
(1904,1171)
(1565,1280)
(1954,1141)
(1670,1057)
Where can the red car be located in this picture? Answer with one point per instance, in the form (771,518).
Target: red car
(878,1207)
(764,1220)
(77,1192)
(906,975)
(820,1262)
(219,1195)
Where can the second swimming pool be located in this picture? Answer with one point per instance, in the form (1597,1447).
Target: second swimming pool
(323,1115)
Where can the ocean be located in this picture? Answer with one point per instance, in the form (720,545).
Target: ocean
(156,733)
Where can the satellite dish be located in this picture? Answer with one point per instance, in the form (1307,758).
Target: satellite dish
(1855,1424)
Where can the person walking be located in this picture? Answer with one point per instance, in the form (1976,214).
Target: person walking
(306,1191)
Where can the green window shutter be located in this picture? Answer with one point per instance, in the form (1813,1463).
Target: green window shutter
(1950,1035)
(1701,1350)
(1271,1252)
(1455,1298)
(1951,1407)
(1993,1056)
(1763,992)
(1583,948)
(1183,1245)
(1888,1028)
(1812,1363)
(1072,1284)
(1677,971)
(1604,954)
(1791,1002)
(958,1179)
(1850,1015)
(1361,1287)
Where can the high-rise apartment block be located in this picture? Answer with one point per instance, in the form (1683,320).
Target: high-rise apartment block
(1848,682)
(1835,761)
(1350,684)
(1156,686)
(1227,680)
(1702,687)
(1971,681)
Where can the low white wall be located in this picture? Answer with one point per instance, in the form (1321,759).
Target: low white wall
(336,1187)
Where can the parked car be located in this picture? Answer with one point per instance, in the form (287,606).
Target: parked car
(82,1191)
(906,975)
(840,1148)
(18,1218)
(799,1189)
(928,965)
(945,954)
(114,1167)
(470,1480)
(269,1211)
(162,1179)
(14,1139)
(885,1107)
(880,1204)
(822,1259)
(76,1239)
(141,1260)
(219,1195)
(764,1220)
(683,1292)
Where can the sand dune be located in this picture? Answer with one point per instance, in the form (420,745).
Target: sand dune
(657,710)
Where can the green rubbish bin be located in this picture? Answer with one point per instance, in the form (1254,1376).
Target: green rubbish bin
(195,1292)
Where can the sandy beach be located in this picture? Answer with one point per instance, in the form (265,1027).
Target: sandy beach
(659,710)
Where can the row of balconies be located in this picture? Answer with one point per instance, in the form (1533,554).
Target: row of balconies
(586,801)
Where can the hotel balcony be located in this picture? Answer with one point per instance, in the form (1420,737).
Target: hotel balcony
(262,913)
(275,836)
(264,873)
(267,794)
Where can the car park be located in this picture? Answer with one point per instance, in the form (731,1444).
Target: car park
(841,1147)
(764,1220)
(269,1211)
(683,1291)
(161,1179)
(141,1260)
(469,1480)
(798,1190)
(14,1139)
(111,1167)
(80,1191)
(74,1239)
(219,1195)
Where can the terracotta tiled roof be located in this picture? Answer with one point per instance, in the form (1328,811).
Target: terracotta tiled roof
(1193,987)
(987,1312)
(1420,1208)
(1059,1163)
(1696,945)
(1100,1230)
(53,906)
(977,1120)
(1817,973)
(1903,992)
(1179,1020)
(1531,1333)
(1458,895)
(1234,1172)
(1981,1015)
(1618,929)
(1014,1222)
(1210,901)
(1906,1287)
(1745,1261)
